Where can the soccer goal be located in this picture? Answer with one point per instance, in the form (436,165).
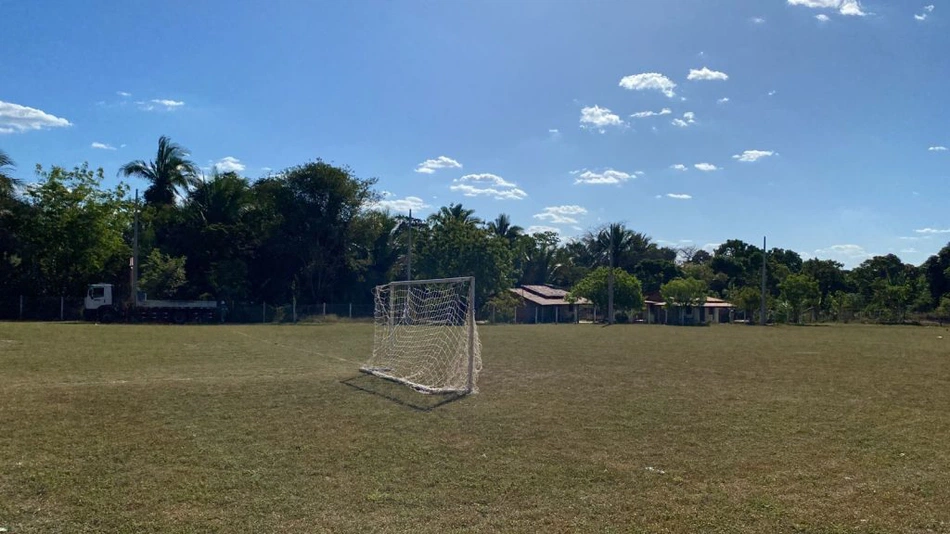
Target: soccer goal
(425,336)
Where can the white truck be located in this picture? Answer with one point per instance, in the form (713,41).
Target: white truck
(102,305)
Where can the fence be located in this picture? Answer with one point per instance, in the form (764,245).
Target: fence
(26,308)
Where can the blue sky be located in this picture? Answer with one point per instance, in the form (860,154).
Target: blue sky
(829,142)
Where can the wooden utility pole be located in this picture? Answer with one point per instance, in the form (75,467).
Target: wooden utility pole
(610,280)
(762,308)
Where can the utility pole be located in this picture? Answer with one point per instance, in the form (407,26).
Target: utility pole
(409,256)
(135,250)
(762,309)
(610,280)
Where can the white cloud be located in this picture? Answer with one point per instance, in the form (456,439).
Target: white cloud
(645,114)
(102,146)
(706,167)
(688,118)
(723,100)
(401,205)
(229,164)
(497,187)
(933,231)
(910,250)
(937,149)
(429,166)
(639,173)
(751,156)
(266,169)
(15,118)
(649,81)
(498,194)
(609,176)
(679,196)
(561,214)
(772,92)
(822,17)
(598,118)
(706,74)
(486,178)
(679,167)
(929,9)
(159,103)
(922,16)
(845,7)
(914,238)
(848,252)
(538,229)
(758,20)
(123,94)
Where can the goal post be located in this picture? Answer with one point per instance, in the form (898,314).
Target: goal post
(424,335)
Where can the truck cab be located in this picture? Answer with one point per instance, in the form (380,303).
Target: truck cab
(99,304)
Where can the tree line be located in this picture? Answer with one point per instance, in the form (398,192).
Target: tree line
(313,233)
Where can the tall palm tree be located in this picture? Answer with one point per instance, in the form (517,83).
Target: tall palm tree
(7,182)
(169,171)
(454,212)
(612,246)
(502,227)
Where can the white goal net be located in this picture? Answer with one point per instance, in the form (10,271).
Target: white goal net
(425,335)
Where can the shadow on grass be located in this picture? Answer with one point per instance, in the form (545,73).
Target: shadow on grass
(400,394)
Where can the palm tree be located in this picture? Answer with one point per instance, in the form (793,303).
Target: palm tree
(613,246)
(222,199)
(7,182)
(454,212)
(167,173)
(502,227)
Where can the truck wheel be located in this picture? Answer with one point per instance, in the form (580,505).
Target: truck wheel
(106,317)
(180,317)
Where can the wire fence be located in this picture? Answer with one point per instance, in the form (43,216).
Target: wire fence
(48,308)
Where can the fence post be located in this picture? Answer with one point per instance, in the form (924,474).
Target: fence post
(62,308)
(536,314)
(21,307)
(263,312)
(556,309)
(351,310)
(595,314)
(295,309)
(492,314)
(324,311)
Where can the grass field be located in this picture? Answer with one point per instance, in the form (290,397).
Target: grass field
(577,428)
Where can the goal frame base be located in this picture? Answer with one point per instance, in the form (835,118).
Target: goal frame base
(381,373)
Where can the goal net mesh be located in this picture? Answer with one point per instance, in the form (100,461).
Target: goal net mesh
(425,336)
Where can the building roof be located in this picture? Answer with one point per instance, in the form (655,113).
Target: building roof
(711,302)
(545,295)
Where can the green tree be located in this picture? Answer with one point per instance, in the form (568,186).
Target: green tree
(458,247)
(943,311)
(168,172)
(305,218)
(830,276)
(654,273)
(454,212)
(682,293)
(7,182)
(799,290)
(76,231)
(747,299)
(162,275)
(502,227)
(628,294)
